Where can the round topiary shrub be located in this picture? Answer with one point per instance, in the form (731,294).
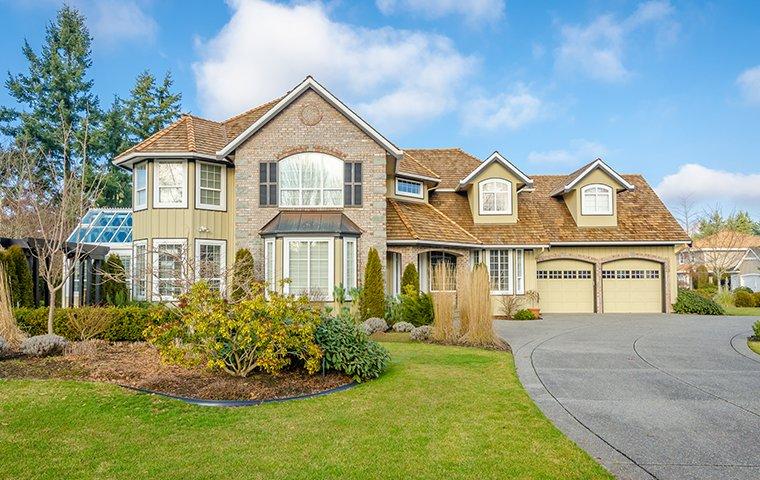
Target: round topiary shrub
(421,333)
(375,324)
(43,345)
(692,302)
(523,314)
(743,298)
(402,327)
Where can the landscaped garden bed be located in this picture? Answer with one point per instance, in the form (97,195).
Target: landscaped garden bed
(138,365)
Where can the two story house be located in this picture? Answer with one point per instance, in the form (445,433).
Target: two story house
(309,187)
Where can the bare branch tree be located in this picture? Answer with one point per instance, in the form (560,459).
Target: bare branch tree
(720,251)
(685,210)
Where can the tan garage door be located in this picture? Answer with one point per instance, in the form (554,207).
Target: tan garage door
(565,286)
(632,286)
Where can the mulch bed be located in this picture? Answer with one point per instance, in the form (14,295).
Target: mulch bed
(138,365)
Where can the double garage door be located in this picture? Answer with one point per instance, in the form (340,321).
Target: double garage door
(628,286)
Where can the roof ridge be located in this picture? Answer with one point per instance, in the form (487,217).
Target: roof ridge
(435,175)
(191,134)
(455,223)
(154,137)
(403,218)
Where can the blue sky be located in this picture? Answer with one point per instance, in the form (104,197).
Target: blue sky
(664,88)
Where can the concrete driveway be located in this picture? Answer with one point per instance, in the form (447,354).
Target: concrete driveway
(650,396)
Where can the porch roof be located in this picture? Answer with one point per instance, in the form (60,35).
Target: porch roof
(321,223)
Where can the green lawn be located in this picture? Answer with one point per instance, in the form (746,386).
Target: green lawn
(743,311)
(754,345)
(439,412)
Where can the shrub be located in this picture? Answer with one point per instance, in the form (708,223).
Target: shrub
(88,323)
(707,291)
(349,350)
(509,305)
(724,298)
(523,314)
(743,289)
(742,298)
(415,308)
(243,279)
(689,301)
(19,277)
(372,299)
(255,333)
(421,333)
(43,345)
(375,324)
(756,298)
(410,277)
(115,281)
(402,327)
(756,330)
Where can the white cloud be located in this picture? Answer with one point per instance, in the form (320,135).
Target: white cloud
(749,84)
(597,49)
(394,76)
(580,151)
(702,183)
(507,110)
(114,21)
(474,12)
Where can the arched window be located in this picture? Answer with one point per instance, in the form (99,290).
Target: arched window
(311,179)
(495,197)
(596,199)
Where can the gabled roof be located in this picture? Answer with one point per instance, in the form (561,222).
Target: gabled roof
(497,157)
(409,166)
(571,180)
(727,239)
(310,83)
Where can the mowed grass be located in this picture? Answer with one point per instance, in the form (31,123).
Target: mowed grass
(743,311)
(754,345)
(439,412)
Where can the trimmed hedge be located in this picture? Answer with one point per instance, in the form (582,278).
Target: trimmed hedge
(127,323)
(689,301)
(743,298)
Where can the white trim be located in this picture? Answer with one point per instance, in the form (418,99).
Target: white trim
(222,260)
(508,211)
(222,194)
(407,194)
(497,157)
(346,242)
(155,243)
(308,83)
(608,191)
(417,177)
(434,243)
(142,206)
(580,244)
(270,270)
(447,190)
(510,270)
(330,260)
(135,244)
(599,163)
(519,274)
(125,162)
(156,186)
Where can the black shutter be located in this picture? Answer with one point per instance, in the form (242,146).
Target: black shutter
(352,184)
(357,184)
(267,184)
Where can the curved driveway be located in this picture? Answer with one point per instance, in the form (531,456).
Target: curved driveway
(650,396)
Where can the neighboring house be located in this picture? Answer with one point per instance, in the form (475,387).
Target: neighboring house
(309,187)
(737,253)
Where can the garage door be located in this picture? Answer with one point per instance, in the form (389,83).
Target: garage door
(632,286)
(565,286)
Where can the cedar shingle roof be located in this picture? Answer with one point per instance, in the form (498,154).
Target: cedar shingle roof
(449,164)
(422,221)
(409,164)
(728,239)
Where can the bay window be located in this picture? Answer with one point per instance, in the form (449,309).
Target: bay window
(170,184)
(140,270)
(495,197)
(311,179)
(210,186)
(269,264)
(308,264)
(168,263)
(140,196)
(499,270)
(596,199)
(349,265)
(210,259)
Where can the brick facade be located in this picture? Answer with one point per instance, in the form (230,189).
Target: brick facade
(288,133)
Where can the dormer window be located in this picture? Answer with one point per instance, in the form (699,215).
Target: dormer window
(495,197)
(596,199)
(409,188)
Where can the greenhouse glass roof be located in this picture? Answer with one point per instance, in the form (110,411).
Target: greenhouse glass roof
(104,225)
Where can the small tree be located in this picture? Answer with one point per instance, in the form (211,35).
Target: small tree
(115,289)
(372,299)
(243,279)
(410,277)
(25,286)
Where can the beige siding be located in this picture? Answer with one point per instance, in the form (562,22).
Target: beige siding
(494,170)
(391,191)
(573,201)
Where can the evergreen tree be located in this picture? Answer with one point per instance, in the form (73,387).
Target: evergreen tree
(115,291)
(150,107)
(112,139)
(410,277)
(19,277)
(372,299)
(243,277)
(55,95)
(741,222)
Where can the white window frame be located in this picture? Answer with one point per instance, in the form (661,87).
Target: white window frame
(222,259)
(481,193)
(510,271)
(156,280)
(608,191)
(135,259)
(330,262)
(270,264)
(407,194)
(349,244)
(519,269)
(222,192)
(139,206)
(301,188)
(156,198)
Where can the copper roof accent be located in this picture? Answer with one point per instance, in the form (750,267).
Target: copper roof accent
(410,165)
(449,164)
(295,222)
(423,222)
(728,239)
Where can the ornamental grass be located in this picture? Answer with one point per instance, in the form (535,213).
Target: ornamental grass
(444,298)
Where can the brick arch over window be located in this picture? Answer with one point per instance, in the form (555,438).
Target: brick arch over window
(310,148)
